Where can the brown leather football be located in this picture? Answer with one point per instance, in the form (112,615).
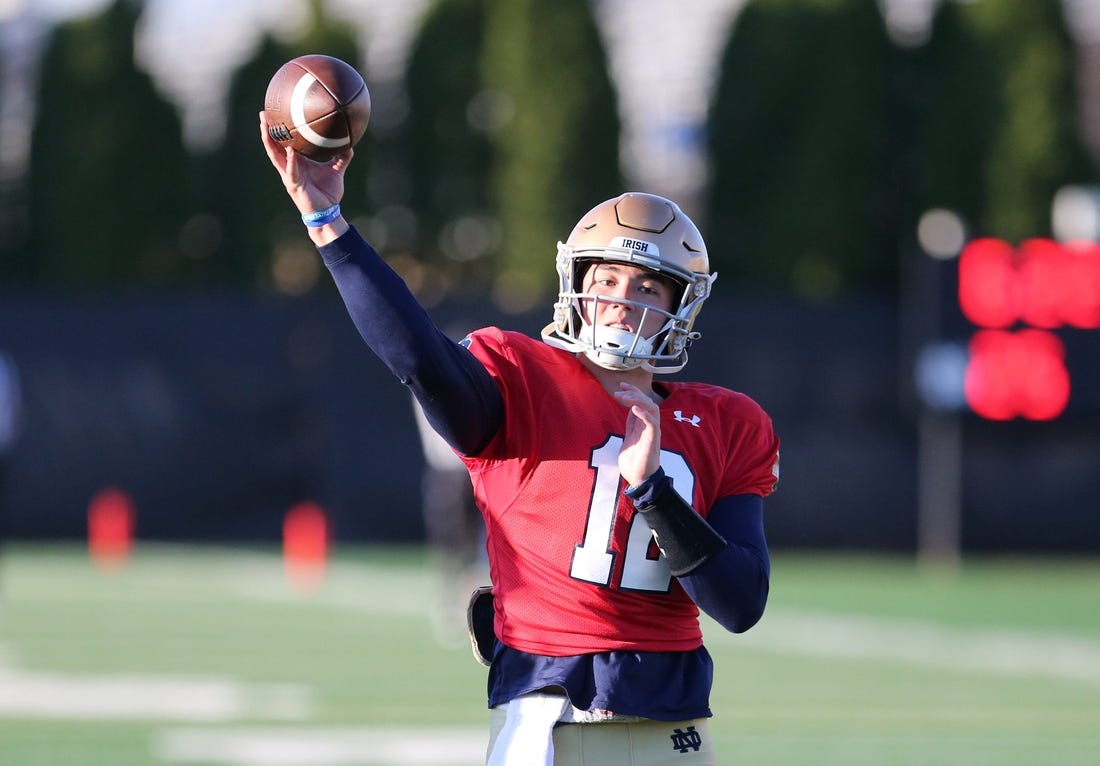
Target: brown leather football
(317,104)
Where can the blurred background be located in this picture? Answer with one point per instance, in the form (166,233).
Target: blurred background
(902,201)
(167,331)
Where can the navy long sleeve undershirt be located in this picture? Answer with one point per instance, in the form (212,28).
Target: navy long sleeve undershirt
(732,587)
(462,402)
(459,397)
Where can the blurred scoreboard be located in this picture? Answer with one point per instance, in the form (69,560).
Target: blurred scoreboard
(1028,304)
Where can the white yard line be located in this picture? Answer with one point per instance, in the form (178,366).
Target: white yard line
(388,746)
(340,593)
(986,651)
(58,696)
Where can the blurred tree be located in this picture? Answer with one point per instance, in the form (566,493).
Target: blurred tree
(999,126)
(261,235)
(449,136)
(109,180)
(802,193)
(557,136)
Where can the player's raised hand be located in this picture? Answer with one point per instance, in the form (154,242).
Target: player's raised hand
(640,455)
(311,185)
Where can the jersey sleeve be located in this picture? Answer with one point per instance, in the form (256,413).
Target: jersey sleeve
(491,348)
(752,467)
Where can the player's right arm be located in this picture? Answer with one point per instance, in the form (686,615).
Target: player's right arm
(459,397)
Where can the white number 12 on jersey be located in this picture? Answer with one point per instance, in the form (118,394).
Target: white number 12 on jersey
(593,560)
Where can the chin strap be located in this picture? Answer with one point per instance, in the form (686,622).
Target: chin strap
(684,537)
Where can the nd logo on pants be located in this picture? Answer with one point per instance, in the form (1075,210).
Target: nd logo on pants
(530,734)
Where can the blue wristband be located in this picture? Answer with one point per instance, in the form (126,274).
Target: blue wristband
(321,217)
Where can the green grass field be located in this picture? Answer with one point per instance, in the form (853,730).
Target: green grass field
(207,656)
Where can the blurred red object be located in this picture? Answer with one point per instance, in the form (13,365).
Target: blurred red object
(110,528)
(305,545)
(1017,374)
(1041,283)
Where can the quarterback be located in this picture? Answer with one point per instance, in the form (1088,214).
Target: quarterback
(616,504)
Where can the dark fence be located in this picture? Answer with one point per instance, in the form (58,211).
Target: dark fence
(218,413)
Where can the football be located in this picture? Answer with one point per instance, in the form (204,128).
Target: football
(318,105)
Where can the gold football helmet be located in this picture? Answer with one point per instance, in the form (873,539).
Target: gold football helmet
(642,230)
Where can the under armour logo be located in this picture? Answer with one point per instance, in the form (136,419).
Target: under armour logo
(693,420)
(686,740)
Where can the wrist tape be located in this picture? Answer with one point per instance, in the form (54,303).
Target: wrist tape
(684,537)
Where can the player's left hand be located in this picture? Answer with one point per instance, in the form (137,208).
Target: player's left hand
(640,455)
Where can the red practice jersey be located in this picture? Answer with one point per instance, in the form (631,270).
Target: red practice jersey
(575,569)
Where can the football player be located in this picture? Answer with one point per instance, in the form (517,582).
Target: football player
(616,505)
